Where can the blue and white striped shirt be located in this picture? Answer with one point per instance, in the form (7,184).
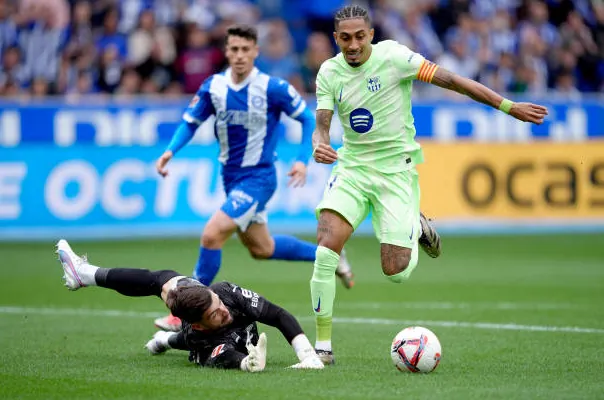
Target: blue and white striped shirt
(246,113)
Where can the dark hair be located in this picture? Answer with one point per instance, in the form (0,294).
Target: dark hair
(189,303)
(244,31)
(351,12)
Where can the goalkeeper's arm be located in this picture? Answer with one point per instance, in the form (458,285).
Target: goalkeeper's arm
(288,325)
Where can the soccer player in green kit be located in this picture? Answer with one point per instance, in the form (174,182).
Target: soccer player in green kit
(371,87)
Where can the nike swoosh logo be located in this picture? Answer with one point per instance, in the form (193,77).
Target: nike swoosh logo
(411,236)
(318,309)
(340,99)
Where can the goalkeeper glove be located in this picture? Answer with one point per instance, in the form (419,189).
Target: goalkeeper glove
(256,359)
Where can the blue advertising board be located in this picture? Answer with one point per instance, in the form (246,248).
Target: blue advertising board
(90,191)
(88,169)
(147,123)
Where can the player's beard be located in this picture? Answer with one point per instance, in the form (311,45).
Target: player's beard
(358,57)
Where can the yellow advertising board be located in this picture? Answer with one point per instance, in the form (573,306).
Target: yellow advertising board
(538,180)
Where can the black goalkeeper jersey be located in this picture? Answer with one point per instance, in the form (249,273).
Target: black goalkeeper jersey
(246,307)
(226,347)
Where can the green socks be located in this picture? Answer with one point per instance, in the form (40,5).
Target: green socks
(323,292)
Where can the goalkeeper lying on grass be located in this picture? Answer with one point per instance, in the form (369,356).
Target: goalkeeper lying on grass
(219,322)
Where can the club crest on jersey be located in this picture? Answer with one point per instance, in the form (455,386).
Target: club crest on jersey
(257,101)
(373,84)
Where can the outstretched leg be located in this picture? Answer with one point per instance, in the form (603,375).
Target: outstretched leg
(78,272)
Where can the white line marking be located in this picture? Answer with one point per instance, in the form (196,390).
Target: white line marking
(339,320)
(452,306)
(462,324)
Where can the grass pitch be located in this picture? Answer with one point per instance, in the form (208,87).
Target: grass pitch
(518,318)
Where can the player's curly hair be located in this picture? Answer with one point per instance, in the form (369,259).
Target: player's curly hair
(244,31)
(351,12)
(189,303)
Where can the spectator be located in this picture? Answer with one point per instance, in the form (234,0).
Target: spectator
(458,59)
(198,60)
(40,87)
(151,49)
(110,37)
(110,70)
(8,27)
(318,49)
(42,27)
(170,46)
(565,88)
(12,69)
(276,53)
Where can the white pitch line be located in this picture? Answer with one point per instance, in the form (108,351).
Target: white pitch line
(444,305)
(462,324)
(338,320)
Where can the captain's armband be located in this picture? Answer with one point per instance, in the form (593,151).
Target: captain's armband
(426,71)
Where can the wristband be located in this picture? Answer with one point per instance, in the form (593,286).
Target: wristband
(506,105)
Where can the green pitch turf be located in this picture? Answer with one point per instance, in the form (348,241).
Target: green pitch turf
(518,318)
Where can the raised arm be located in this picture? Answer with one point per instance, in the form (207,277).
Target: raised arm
(322,151)
(526,112)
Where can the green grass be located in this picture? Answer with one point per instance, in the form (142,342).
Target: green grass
(50,351)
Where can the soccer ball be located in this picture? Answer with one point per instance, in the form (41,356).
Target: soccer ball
(415,349)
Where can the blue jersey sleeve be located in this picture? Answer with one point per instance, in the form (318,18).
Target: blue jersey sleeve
(286,97)
(200,107)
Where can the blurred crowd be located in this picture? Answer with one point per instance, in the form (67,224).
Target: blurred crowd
(168,47)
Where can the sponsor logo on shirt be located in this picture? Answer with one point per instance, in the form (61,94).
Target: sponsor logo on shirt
(218,350)
(361,120)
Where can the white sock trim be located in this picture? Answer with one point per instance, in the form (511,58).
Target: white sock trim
(87,273)
(323,345)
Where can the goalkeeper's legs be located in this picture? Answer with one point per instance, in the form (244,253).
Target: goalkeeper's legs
(332,233)
(78,272)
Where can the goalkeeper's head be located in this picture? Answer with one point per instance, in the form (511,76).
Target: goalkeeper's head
(199,306)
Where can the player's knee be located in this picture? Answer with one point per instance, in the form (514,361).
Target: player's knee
(398,269)
(397,265)
(210,239)
(260,252)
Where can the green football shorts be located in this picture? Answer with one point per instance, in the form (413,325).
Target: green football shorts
(392,199)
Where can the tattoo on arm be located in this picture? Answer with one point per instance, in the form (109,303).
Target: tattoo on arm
(474,90)
(321,133)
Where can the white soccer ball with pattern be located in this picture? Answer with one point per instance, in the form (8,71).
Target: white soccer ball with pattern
(415,349)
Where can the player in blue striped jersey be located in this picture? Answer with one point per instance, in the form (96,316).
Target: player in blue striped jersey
(247,105)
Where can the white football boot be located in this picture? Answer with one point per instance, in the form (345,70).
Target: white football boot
(73,265)
(430,239)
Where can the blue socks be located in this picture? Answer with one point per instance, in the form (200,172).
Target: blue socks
(287,248)
(208,265)
(291,248)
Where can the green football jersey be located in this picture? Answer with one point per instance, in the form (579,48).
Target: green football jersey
(374,106)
